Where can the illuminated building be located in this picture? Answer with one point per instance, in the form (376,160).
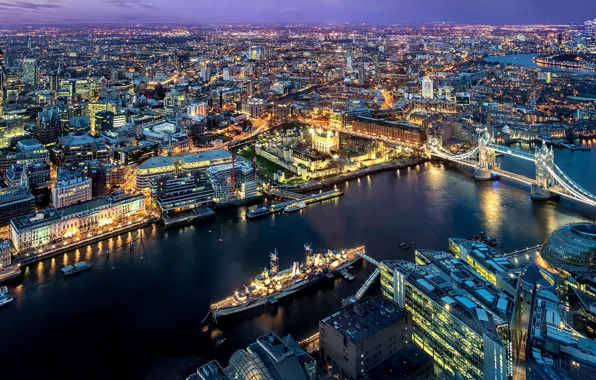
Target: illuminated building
(401,132)
(39,174)
(192,163)
(220,176)
(254,53)
(271,357)
(325,141)
(50,226)
(104,120)
(153,168)
(80,147)
(48,126)
(14,203)
(71,191)
(254,107)
(573,245)
(427,88)
(31,151)
(16,176)
(360,336)
(197,109)
(181,192)
(136,154)
(30,71)
(93,109)
(467,337)
(349,60)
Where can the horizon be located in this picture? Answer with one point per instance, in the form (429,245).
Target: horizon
(268,12)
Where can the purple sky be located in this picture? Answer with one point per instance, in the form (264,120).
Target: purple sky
(271,11)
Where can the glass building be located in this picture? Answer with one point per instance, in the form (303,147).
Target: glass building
(573,245)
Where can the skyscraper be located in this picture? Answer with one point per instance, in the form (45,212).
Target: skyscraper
(427,88)
(590,28)
(30,71)
(349,60)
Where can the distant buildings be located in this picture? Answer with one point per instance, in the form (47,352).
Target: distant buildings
(427,88)
(357,338)
(30,71)
(197,109)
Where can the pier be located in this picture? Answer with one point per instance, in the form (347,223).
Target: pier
(187,217)
(308,199)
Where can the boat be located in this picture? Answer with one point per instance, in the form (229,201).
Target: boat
(295,207)
(220,239)
(275,284)
(261,211)
(3,291)
(5,300)
(405,246)
(219,342)
(76,268)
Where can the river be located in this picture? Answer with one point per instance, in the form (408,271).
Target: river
(137,314)
(526,60)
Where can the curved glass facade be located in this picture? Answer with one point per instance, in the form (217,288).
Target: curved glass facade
(571,245)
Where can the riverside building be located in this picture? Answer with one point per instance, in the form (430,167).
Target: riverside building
(51,226)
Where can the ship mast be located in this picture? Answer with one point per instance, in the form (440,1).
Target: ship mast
(274,262)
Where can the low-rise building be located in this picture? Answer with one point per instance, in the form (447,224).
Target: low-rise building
(153,168)
(15,203)
(181,192)
(193,162)
(51,226)
(71,191)
(400,132)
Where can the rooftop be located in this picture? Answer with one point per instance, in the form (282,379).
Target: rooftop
(365,318)
(156,162)
(401,364)
(388,123)
(209,155)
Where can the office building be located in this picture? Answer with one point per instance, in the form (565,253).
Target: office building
(30,71)
(80,147)
(461,321)
(93,108)
(197,110)
(254,107)
(360,336)
(135,154)
(221,178)
(271,357)
(71,191)
(39,174)
(54,81)
(349,60)
(181,192)
(40,230)
(30,151)
(48,126)
(400,132)
(104,121)
(427,88)
(409,363)
(153,168)
(254,53)
(15,203)
(194,162)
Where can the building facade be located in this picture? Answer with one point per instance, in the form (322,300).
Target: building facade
(401,133)
(71,191)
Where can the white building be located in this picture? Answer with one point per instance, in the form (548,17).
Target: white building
(325,141)
(49,227)
(71,191)
(197,109)
(427,88)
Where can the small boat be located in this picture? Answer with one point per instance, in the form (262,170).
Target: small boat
(403,244)
(3,291)
(220,239)
(295,207)
(405,247)
(219,342)
(76,268)
(5,300)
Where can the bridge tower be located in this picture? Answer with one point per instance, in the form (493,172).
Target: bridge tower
(487,158)
(545,165)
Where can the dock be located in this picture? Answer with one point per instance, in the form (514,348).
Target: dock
(308,199)
(187,217)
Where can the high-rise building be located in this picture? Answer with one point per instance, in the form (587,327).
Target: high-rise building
(30,71)
(349,60)
(197,109)
(1,91)
(590,29)
(463,322)
(93,109)
(54,81)
(427,88)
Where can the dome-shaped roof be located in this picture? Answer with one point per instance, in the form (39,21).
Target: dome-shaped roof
(571,245)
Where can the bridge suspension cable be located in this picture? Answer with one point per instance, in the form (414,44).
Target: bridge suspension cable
(574,184)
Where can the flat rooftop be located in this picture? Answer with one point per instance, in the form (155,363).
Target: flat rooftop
(388,123)
(365,318)
(401,364)
(156,162)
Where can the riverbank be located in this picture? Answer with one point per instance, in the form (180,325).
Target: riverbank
(393,165)
(30,258)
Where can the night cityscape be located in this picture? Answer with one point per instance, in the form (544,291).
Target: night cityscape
(291,190)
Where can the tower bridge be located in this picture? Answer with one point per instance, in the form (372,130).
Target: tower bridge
(549,182)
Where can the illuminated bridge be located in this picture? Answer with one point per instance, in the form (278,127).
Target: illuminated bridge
(550,180)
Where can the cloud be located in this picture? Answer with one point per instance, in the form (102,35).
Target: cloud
(29,6)
(131,4)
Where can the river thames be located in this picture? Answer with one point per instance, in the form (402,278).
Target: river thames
(137,314)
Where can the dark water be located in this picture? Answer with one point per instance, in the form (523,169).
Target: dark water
(526,60)
(138,315)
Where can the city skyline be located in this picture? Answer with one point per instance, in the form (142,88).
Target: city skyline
(310,11)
